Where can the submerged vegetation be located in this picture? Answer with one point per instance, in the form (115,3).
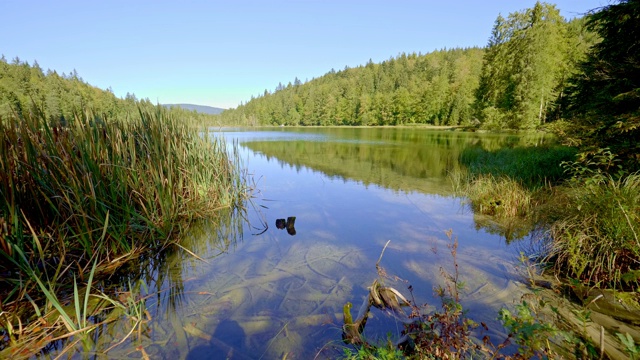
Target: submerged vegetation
(450,333)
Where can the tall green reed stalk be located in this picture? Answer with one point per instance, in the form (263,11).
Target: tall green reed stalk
(99,187)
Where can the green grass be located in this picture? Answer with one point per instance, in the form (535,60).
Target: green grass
(96,189)
(532,166)
(596,231)
(506,186)
(593,218)
(500,197)
(147,175)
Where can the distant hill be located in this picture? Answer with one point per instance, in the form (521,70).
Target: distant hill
(199,108)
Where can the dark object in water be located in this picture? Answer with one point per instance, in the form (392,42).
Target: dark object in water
(291,221)
(289,224)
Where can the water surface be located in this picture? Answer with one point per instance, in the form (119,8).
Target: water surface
(262,292)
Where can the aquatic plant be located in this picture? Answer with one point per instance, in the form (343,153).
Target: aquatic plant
(596,237)
(506,186)
(530,166)
(500,197)
(444,334)
(99,190)
(449,333)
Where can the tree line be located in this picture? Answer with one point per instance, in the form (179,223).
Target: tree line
(582,76)
(516,82)
(27,88)
(436,88)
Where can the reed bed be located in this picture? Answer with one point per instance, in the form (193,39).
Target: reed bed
(98,190)
(591,218)
(596,234)
(533,166)
(499,196)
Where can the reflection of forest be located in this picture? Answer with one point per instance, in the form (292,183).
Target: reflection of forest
(398,159)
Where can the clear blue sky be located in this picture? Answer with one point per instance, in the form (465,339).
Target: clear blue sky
(220,53)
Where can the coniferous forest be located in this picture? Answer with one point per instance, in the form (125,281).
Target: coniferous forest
(26,88)
(99,179)
(516,82)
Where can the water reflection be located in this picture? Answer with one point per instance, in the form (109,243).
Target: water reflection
(398,159)
(289,224)
(244,288)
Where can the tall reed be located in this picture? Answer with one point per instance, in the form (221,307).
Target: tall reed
(99,188)
(596,234)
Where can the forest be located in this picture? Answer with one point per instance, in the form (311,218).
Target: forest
(26,88)
(516,82)
(579,79)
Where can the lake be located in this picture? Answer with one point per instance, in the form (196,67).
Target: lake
(260,284)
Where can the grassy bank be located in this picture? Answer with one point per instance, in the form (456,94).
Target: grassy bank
(590,218)
(589,222)
(595,231)
(80,197)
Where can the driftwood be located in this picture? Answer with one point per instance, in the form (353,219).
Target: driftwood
(382,297)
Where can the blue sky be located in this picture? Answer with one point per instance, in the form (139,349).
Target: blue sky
(220,53)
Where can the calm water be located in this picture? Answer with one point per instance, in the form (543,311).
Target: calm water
(265,292)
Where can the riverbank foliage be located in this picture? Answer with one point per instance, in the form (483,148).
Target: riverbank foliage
(591,217)
(87,194)
(596,231)
(593,213)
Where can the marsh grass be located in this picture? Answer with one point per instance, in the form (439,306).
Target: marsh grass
(97,190)
(501,205)
(513,189)
(532,167)
(590,208)
(505,186)
(596,231)
(499,196)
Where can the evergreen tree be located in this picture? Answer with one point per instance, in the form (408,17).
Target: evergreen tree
(436,88)
(604,98)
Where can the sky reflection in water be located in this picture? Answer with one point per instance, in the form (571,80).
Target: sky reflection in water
(270,293)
